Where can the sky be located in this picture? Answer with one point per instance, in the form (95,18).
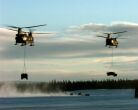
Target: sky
(72,52)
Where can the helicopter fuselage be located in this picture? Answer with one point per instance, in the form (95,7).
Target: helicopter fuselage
(111,42)
(24,39)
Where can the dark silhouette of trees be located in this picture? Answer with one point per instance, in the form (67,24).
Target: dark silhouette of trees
(67,85)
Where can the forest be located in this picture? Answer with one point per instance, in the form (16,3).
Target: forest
(67,85)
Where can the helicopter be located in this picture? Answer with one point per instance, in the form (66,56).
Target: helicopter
(23,37)
(112,41)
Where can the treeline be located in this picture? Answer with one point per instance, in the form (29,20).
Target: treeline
(94,84)
(57,86)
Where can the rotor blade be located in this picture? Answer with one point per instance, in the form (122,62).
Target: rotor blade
(43,33)
(107,33)
(119,32)
(31,30)
(118,36)
(121,38)
(102,36)
(13,26)
(12,29)
(17,30)
(34,26)
(115,32)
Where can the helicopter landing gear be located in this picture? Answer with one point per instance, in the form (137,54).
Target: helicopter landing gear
(23,44)
(31,44)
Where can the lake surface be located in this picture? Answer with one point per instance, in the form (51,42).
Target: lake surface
(101,99)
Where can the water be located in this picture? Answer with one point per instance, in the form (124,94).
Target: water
(98,100)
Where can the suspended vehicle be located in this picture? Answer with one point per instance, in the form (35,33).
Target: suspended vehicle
(24,76)
(112,41)
(111,74)
(25,37)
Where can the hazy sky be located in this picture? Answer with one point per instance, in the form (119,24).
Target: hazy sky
(73,52)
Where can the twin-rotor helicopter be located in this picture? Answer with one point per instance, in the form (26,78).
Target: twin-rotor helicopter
(25,37)
(112,41)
